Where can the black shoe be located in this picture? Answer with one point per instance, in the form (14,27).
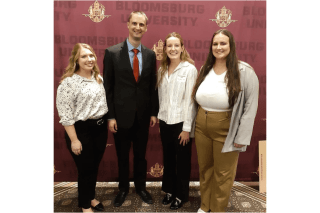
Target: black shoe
(167,199)
(98,207)
(145,196)
(176,204)
(120,198)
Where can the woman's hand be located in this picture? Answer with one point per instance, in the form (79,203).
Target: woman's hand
(184,136)
(238,145)
(76,147)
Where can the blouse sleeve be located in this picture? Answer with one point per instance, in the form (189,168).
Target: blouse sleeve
(189,105)
(65,103)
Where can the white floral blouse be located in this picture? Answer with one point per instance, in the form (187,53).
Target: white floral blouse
(79,98)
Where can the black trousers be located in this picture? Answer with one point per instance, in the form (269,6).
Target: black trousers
(93,138)
(138,135)
(176,161)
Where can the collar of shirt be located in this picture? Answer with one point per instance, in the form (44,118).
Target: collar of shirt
(130,47)
(182,64)
(131,55)
(80,78)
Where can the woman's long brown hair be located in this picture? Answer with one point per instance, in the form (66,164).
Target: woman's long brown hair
(73,65)
(232,77)
(165,62)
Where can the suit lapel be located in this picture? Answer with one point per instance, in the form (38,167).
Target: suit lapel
(144,61)
(125,59)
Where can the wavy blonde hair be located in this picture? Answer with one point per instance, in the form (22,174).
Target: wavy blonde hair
(73,65)
(165,62)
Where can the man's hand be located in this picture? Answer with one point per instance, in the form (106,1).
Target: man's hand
(113,125)
(153,121)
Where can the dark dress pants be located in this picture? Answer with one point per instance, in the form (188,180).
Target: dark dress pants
(93,138)
(138,135)
(176,161)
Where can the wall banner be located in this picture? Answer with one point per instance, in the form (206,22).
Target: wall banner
(102,24)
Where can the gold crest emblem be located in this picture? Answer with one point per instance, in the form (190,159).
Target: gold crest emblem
(54,169)
(156,170)
(96,12)
(223,17)
(109,144)
(158,50)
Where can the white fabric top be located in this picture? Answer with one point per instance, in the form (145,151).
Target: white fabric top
(212,93)
(79,98)
(175,103)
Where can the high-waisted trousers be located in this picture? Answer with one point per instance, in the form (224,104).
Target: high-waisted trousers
(217,170)
(93,138)
(176,161)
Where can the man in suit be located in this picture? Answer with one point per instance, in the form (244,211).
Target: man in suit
(129,79)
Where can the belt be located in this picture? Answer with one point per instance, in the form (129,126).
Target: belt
(98,122)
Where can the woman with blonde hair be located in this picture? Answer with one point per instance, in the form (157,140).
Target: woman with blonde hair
(176,78)
(82,107)
(227,92)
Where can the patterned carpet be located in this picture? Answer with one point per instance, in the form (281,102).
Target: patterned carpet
(242,199)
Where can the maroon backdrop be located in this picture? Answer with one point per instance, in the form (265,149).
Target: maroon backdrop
(189,18)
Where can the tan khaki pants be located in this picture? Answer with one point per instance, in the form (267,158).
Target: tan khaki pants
(217,170)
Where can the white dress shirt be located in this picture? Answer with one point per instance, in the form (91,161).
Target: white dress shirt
(212,93)
(79,98)
(175,103)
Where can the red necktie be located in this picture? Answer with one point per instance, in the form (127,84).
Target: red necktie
(135,64)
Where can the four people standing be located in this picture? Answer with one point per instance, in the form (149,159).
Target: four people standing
(226,93)
(176,78)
